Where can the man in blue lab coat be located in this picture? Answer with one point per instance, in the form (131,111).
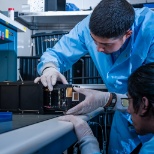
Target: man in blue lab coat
(119,39)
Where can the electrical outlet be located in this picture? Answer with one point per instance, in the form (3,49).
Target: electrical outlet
(36,5)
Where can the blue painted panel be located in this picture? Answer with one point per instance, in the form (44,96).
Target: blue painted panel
(8,54)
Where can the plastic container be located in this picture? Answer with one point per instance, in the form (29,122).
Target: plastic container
(11,13)
(5,116)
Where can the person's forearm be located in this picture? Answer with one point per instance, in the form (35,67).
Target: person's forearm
(48,65)
(47,60)
(89,145)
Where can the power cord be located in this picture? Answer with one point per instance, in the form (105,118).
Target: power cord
(104,135)
(105,140)
(103,151)
(75,148)
(106,116)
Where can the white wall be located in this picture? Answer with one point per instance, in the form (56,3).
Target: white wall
(136,1)
(5,4)
(84,4)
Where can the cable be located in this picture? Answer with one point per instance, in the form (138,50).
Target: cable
(20,76)
(75,149)
(104,143)
(106,113)
(103,151)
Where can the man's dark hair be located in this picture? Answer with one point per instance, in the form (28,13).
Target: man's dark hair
(141,83)
(111,18)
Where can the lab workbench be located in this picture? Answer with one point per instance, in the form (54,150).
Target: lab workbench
(39,134)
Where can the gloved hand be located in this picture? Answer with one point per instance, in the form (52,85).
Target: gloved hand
(93,100)
(49,78)
(81,127)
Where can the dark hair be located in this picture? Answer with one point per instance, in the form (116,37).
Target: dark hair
(111,18)
(141,83)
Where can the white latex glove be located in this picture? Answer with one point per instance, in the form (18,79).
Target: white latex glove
(81,127)
(49,78)
(94,99)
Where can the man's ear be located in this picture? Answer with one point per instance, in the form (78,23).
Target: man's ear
(144,106)
(128,33)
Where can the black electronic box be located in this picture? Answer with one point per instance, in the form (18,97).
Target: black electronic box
(28,96)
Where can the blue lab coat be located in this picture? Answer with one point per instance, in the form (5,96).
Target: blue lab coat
(114,69)
(147,147)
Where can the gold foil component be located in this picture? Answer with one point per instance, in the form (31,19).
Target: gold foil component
(69,92)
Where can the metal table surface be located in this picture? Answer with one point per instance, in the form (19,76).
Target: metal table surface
(48,136)
(23,120)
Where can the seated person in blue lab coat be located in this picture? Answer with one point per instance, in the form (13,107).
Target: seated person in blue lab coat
(119,39)
(140,106)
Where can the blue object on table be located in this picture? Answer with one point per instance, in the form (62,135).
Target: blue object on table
(71,7)
(5,116)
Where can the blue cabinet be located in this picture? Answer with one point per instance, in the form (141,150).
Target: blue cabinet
(8,48)
(8,53)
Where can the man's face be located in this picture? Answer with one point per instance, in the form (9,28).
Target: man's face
(107,45)
(138,121)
